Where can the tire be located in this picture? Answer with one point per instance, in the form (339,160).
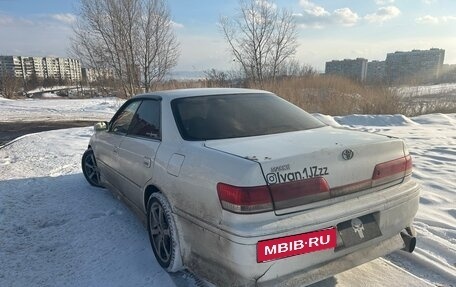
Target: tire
(163,233)
(90,168)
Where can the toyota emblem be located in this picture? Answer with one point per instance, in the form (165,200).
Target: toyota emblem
(347,154)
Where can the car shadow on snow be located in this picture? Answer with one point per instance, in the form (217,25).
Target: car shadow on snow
(61,231)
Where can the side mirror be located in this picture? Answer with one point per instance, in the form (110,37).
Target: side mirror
(101,126)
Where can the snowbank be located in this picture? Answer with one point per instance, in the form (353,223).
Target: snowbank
(42,89)
(326,120)
(436,119)
(4,99)
(374,120)
(49,95)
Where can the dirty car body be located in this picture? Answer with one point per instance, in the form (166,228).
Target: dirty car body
(261,192)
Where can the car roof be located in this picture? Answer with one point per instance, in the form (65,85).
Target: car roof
(183,93)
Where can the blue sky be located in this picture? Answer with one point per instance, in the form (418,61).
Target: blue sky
(328,30)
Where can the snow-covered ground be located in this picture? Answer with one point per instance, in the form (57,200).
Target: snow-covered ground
(431,96)
(446,88)
(432,142)
(58,109)
(56,230)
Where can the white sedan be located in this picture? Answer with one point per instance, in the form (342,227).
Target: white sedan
(243,188)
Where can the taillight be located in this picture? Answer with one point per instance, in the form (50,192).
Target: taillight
(392,170)
(244,199)
(299,192)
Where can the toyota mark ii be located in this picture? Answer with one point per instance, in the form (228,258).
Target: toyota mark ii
(243,188)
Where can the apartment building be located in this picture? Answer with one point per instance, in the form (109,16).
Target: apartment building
(42,67)
(416,65)
(11,65)
(419,66)
(355,69)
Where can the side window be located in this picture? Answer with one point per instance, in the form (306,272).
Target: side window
(146,122)
(122,122)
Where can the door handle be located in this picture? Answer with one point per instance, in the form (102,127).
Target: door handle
(147,161)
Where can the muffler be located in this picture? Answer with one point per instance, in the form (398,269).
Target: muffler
(409,238)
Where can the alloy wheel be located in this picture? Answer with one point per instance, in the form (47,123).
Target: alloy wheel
(160,232)
(90,168)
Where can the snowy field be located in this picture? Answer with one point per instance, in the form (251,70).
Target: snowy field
(431,94)
(56,230)
(447,88)
(58,109)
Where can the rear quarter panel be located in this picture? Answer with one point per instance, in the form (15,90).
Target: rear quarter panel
(194,190)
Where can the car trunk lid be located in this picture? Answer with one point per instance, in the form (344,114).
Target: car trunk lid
(309,166)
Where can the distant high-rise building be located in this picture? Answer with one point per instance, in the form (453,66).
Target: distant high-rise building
(355,69)
(12,66)
(420,66)
(41,67)
(416,65)
(376,72)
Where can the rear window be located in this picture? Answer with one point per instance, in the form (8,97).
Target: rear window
(239,115)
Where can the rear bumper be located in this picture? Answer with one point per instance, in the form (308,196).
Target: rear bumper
(328,267)
(229,257)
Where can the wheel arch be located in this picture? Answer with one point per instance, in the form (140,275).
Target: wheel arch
(150,189)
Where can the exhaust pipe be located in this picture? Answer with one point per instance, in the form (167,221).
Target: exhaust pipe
(409,238)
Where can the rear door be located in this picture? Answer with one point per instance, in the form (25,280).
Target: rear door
(138,149)
(107,147)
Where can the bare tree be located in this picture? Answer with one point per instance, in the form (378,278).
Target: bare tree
(9,85)
(157,49)
(216,78)
(134,38)
(261,38)
(293,68)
